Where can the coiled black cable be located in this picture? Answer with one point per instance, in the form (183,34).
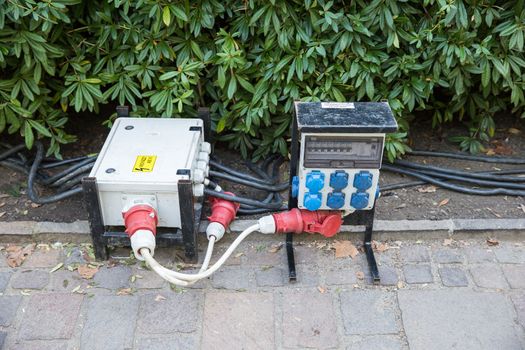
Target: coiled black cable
(453,187)
(463,156)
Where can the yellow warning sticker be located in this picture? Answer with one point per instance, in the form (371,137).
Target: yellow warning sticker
(144,164)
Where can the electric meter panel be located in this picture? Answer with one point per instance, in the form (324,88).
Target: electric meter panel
(340,154)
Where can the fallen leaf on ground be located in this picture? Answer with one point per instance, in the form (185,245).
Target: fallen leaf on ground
(400,284)
(34,205)
(490,152)
(238,255)
(360,275)
(275,248)
(160,298)
(77,290)
(2,204)
(401,206)
(502,148)
(448,241)
(444,202)
(2,214)
(379,247)
(514,131)
(87,272)
(522,206)
(492,241)
(16,254)
(4,195)
(344,249)
(57,267)
(125,291)
(321,289)
(427,189)
(25,292)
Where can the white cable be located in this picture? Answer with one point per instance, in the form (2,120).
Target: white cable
(184,279)
(207,257)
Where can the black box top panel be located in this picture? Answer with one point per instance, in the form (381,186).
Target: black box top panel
(345,117)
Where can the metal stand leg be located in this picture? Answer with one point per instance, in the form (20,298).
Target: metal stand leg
(96,225)
(292,276)
(188,226)
(369,251)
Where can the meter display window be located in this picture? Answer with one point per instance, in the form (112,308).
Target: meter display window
(342,152)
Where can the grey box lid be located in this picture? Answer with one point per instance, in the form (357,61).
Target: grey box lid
(345,117)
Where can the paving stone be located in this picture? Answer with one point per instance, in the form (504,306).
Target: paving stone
(388,275)
(307,276)
(233,277)
(515,275)
(8,307)
(415,253)
(334,276)
(457,319)
(41,344)
(116,277)
(65,281)
(415,274)
(377,342)
(3,260)
(488,276)
(173,341)
(453,277)
(179,312)
(110,322)
(148,280)
(308,320)
(50,316)
(43,258)
(447,256)
(74,257)
(3,335)
(273,277)
(479,255)
(4,280)
(30,279)
(510,255)
(238,321)
(368,312)
(260,254)
(519,303)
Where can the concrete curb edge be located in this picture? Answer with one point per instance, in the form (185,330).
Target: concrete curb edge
(78,231)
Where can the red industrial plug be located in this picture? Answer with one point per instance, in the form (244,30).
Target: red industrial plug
(325,222)
(222,214)
(141,226)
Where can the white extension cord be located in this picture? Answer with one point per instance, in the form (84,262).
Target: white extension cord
(184,279)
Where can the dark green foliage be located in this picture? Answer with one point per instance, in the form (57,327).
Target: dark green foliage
(249,60)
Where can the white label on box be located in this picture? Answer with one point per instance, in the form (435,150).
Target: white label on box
(338,105)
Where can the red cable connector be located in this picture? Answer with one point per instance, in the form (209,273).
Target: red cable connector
(140,217)
(222,210)
(325,222)
(222,214)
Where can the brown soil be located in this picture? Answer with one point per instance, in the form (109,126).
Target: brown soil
(409,203)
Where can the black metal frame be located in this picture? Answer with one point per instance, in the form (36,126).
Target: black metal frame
(359,217)
(190,212)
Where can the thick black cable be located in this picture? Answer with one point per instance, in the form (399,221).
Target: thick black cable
(60,163)
(249,183)
(73,174)
(69,170)
(31,181)
(233,172)
(463,156)
(242,200)
(477,182)
(11,151)
(453,187)
(481,176)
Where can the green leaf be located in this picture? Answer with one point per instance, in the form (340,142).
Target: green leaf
(166,16)
(232,87)
(28,135)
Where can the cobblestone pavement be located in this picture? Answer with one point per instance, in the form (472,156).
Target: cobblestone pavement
(434,295)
